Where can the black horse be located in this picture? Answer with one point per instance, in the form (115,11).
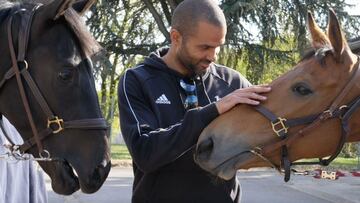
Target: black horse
(47,91)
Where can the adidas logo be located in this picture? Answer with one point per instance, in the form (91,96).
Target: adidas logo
(162,100)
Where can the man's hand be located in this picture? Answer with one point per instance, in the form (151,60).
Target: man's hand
(250,95)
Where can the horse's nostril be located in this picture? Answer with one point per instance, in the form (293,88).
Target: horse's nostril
(204,149)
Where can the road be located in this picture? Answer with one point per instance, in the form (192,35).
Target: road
(257,186)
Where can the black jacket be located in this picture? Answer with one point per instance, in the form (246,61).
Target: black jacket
(160,133)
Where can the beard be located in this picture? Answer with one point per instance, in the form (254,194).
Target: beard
(193,65)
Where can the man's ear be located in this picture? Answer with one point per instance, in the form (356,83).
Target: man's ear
(175,36)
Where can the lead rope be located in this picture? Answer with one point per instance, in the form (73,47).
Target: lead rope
(13,153)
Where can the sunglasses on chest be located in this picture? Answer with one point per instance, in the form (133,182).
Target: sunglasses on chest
(189,87)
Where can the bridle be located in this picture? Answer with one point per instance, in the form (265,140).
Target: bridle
(281,126)
(20,69)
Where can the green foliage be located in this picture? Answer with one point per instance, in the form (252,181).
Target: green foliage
(349,162)
(350,150)
(256,28)
(340,163)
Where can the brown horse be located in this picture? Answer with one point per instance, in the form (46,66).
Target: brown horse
(310,113)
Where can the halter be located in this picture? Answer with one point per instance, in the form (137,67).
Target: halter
(281,126)
(20,68)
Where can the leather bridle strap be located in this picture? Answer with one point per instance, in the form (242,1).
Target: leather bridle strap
(8,75)
(86,124)
(281,125)
(18,76)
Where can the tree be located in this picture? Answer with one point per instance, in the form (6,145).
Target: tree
(276,22)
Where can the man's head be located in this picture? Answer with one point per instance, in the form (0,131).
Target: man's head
(198,30)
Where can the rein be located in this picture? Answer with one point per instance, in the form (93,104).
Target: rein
(281,126)
(19,70)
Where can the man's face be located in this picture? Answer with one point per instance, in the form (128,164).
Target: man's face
(198,50)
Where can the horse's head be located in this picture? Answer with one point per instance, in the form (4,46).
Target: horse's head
(58,82)
(324,80)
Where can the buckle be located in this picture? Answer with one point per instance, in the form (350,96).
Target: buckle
(343,111)
(279,126)
(343,107)
(45,154)
(56,124)
(326,114)
(25,65)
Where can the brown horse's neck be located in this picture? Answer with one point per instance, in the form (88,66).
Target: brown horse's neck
(354,122)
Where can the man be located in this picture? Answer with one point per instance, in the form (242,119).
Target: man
(167,101)
(20,181)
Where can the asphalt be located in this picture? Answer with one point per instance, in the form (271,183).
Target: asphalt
(258,185)
(300,188)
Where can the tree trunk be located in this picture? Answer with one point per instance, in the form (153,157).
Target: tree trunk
(158,19)
(112,93)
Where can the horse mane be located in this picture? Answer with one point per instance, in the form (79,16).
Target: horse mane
(318,53)
(354,45)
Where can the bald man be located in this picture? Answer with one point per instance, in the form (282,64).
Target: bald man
(166,101)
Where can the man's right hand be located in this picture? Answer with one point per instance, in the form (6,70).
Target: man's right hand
(249,95)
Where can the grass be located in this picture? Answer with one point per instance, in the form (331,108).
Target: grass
(120,152)
(345,163)
(339,163)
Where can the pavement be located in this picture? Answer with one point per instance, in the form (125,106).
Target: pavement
(258,185)
(300,188)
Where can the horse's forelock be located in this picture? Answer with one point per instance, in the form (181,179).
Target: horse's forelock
(319,53)
(87,42)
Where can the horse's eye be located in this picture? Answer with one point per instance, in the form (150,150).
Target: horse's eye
(66,75)
(302,89)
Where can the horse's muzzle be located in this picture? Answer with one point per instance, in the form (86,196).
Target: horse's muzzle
(93,182)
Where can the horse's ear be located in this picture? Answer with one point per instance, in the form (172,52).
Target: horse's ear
(81,6)
(57,8)
(319,38)
(335,34)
